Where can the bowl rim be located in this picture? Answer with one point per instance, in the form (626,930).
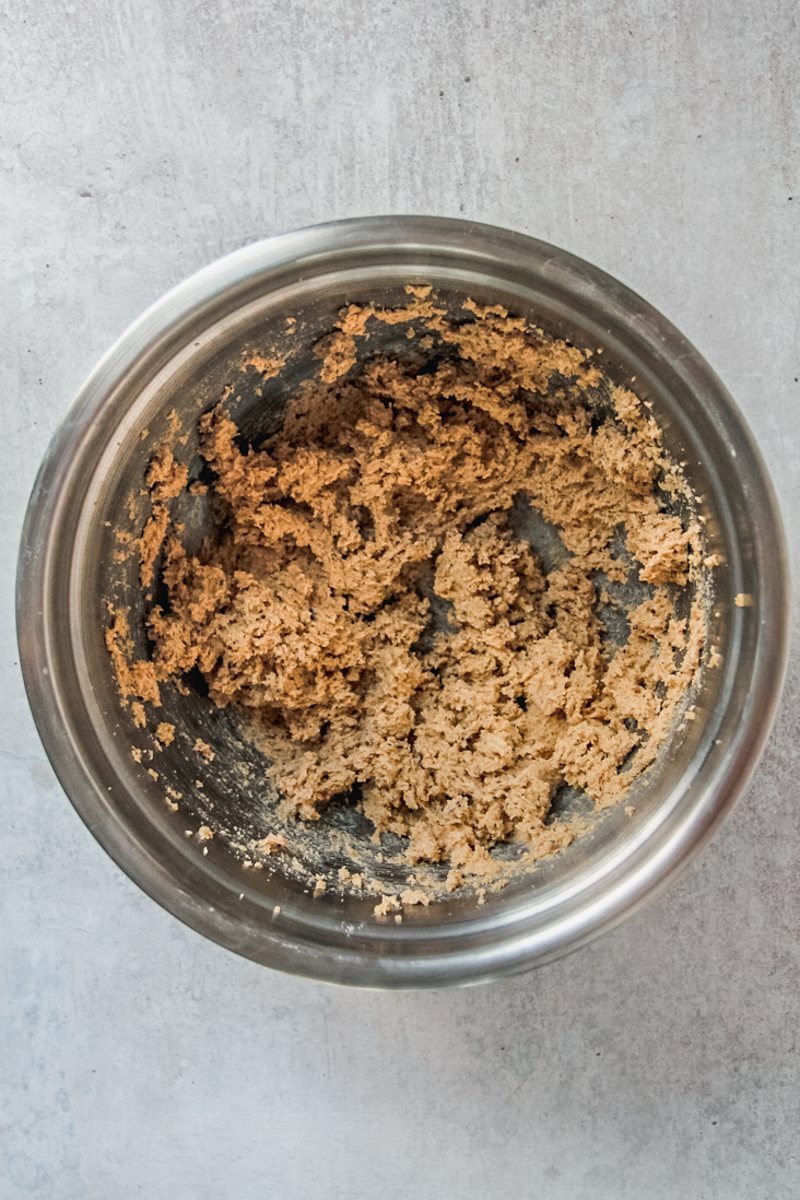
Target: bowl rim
(626,884)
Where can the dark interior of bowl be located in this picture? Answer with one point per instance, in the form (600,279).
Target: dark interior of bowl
(177,788)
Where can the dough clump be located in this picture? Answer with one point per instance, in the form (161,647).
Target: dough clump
(370,601)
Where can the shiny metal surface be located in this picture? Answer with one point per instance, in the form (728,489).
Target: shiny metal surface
(159,364)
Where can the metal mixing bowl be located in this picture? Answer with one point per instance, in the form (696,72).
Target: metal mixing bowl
(177,356)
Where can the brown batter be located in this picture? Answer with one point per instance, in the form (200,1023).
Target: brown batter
(368,602)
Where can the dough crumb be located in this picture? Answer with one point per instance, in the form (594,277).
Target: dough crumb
(386,905)
(204,750)
(267,368)
(270,844)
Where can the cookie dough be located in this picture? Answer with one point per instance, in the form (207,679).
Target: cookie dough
(369,599)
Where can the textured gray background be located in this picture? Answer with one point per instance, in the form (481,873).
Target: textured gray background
(660,141)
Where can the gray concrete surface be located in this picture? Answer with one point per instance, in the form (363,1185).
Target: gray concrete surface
(141,140)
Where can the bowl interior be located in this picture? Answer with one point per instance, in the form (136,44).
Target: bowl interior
(232,793)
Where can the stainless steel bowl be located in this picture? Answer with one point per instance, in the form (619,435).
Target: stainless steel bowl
(172,358)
